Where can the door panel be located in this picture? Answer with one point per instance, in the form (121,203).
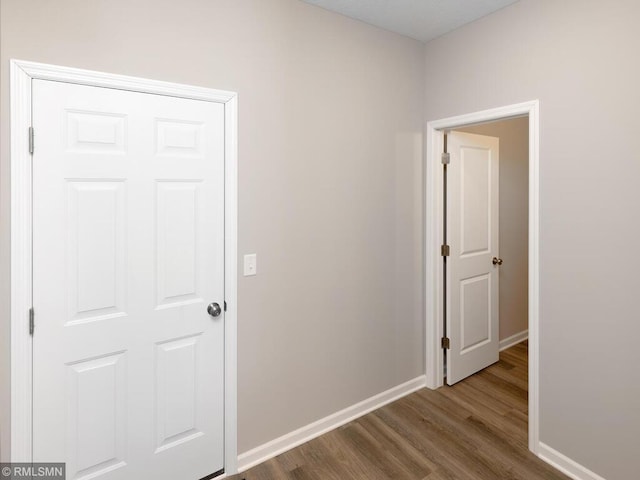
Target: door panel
(128,251)
(96,406)
(475,308)
(96,215)
(472,233)
(179,218)
(177,391)
(475,191)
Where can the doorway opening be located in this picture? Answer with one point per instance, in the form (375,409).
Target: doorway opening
(438,240)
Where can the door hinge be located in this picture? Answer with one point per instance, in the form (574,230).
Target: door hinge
(445,250)
(446,158)
(446,343)
(31,140)
(32,323)
(225,305)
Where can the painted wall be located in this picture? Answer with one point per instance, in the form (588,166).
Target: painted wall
(514,218)
(579,58)
(330,182)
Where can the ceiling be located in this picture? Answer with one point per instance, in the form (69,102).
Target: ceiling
(419,19)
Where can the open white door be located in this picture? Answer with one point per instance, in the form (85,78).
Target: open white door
(472,235)
(128,251)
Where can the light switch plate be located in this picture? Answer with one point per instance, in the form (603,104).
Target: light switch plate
(250,264)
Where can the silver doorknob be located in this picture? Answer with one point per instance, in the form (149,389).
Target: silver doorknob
(497,261)
(214,309)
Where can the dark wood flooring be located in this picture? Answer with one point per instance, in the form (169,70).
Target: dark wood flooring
(475,430)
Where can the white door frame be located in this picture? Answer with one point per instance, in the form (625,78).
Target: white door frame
(433,259)
(22,74)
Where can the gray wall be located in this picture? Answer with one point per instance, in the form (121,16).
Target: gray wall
(580,59)
(514,218)
(330,182)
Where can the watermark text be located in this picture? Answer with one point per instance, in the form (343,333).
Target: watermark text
(39,471)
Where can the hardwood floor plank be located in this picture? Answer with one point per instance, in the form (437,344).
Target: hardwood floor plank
(474,430)
(512,427)
(351,463)
(439,445)
(373,452)
(507,392)
(394,444)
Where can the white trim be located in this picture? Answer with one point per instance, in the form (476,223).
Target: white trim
(567,466)
(231,285)
(57,73)
(309,432)
(22,74)
(433,237)
(433,270)
(513,340)
(21,378)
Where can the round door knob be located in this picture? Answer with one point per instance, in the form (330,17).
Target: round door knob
(214,309)
(497,261)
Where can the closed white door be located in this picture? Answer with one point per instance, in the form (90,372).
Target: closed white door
(128,249)
(472,234)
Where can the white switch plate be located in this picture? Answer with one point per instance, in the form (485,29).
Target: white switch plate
(250,264)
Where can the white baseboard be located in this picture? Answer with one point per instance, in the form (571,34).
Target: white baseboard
(297,437)
(565,464)
(514,340)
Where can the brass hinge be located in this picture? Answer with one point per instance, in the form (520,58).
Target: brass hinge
(225,305)
(446,343)
(445,250)
(32,323)
(445,158)
(31,140)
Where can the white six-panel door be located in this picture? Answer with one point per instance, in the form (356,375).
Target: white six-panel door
(128,250)
(472,234)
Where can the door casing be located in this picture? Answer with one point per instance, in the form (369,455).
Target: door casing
(434,357)
(22,74)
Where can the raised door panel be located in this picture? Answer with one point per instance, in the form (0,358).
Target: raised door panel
(96,415)
(180,138)
(177,392)
(179,224)
(96,132)
(96,250)
(475,196)
(475,312)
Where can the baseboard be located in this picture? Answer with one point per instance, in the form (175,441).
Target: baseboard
(297,437)
(565,464)
(514,340)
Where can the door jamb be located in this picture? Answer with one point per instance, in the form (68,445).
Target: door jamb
(433,237)
(22,74)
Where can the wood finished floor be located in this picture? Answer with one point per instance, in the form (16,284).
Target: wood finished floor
(475,430)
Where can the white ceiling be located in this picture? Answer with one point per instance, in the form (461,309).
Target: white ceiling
(419,19)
